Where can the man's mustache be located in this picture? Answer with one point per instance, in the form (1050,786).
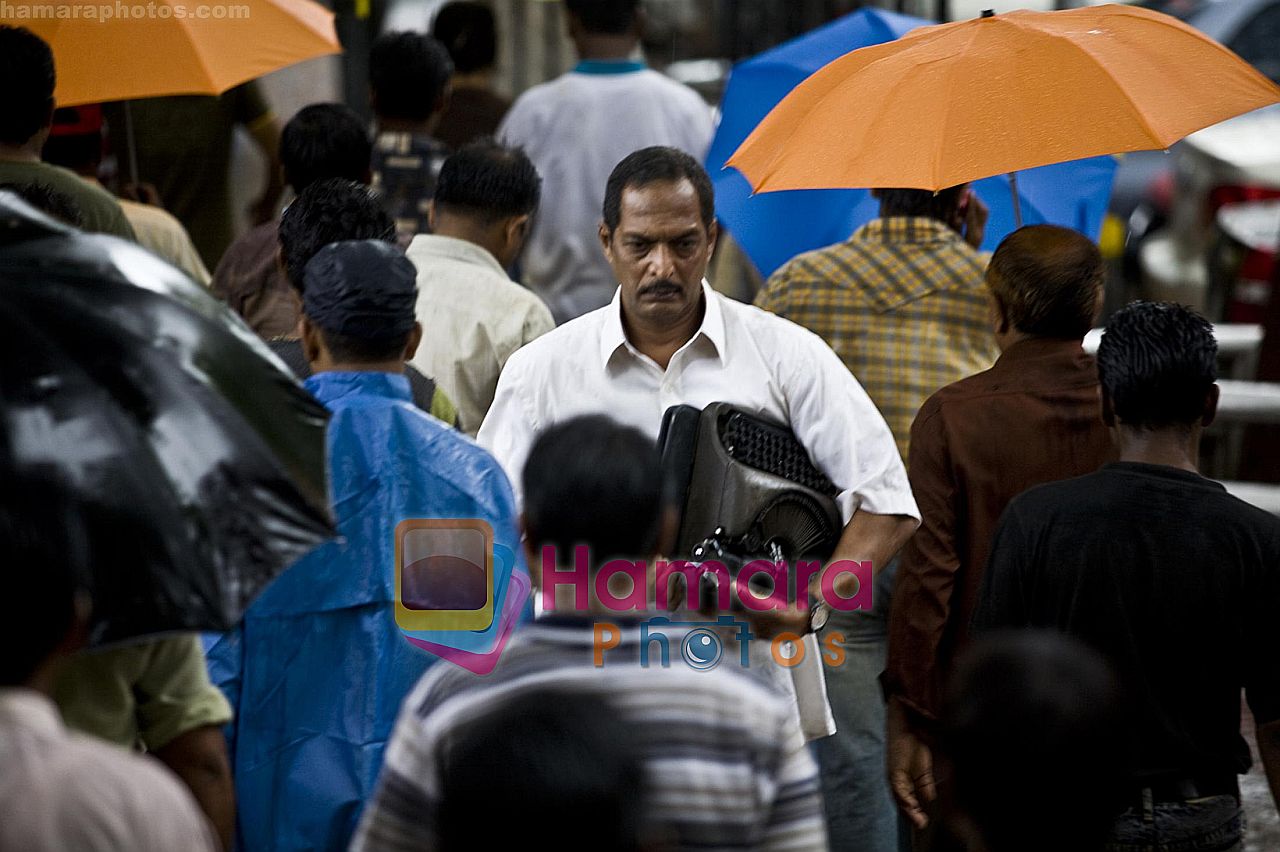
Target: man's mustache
(660,284)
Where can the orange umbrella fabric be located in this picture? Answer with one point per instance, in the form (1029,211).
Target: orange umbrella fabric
(115,50)
(957,102)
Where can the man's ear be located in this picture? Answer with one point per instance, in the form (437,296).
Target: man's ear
(1108,410)
(713,234)
(606,241)
(515,231)
(530,554)
(311,343)
(415,340)
(1211,405)
(996,313)
(431,214)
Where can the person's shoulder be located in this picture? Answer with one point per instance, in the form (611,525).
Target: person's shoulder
(1045,501)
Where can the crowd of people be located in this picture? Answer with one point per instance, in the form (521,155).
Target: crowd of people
(497,303)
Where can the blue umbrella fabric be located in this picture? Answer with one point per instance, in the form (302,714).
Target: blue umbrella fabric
(773,227)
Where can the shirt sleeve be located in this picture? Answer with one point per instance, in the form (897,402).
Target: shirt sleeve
(844,433)
(174,694)
(921,604)
(795,820)
(508,430)
(248,106)
(773,295)
(225,661)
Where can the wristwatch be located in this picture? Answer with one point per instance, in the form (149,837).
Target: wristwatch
(818,615)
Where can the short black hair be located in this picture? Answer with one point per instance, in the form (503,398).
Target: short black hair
(27,81)
(1157,362)
(592,481)
(49,201)
(408,73)
(604,17)
(468,31)
(920,202)
(1033,728)
(651,165)
(330,211)
(488,181)
(44,554)
(1048,280)
(553,758)
(325,141)
(362,350)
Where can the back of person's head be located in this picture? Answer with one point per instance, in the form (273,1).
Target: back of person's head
(942,205)
(1048,281)
(558,759)
(488,182)
(329,211)
(44,557)
(26,84)
(362,297)
(1033,733)
(592,481)
(75,139)
(325,141)
(1157,364)
(468,31)
(657,164)
(604,17)
(48,201)
(408,73)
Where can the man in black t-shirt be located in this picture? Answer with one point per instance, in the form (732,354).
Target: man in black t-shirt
(1175,581)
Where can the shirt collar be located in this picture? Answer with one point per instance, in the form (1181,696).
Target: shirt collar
(28,709)
(330,387)
(613,337)
(609,66)
(426,246)
(916,230)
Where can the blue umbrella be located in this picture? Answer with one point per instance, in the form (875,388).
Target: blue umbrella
(773,227)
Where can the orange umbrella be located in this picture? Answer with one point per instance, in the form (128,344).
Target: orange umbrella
(112,50)
(956,102)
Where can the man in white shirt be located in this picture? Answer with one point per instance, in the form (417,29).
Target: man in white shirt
(576,128)
(475,315)
(59,789)
(668,339)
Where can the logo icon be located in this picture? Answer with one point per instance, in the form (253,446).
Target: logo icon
(458,592)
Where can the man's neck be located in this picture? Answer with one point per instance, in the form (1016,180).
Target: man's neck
(662,343)
(1169,447)
(596,47)
(19,153)
(404,125)
(461,228)
(482,79)
(324,365)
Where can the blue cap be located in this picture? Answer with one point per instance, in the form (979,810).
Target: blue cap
(366,289)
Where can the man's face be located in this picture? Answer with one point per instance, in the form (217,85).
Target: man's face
(659,251)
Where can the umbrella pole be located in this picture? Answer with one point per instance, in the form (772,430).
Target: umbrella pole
(132,148)
(1017,205)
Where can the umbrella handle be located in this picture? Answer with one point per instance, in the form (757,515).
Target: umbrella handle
(133,148)
(1017,205)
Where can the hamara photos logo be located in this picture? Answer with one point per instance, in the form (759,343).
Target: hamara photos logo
(458,595)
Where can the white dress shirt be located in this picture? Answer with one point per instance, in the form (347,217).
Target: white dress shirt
(473,317)
(61,790)
(741,355)
(575,129)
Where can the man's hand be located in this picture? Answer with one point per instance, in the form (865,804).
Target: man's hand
(199,758)
(910,767)
(975,220)
(773,623)
(1268,736)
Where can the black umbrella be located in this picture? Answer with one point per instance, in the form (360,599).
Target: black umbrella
(198,458)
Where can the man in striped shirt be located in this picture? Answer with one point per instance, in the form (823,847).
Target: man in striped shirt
(725,762)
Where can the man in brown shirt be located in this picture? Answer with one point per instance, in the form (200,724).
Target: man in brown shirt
(975,445)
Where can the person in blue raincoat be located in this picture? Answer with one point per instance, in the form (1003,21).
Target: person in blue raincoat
(318,668)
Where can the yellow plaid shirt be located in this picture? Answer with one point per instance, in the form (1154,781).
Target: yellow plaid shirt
(902,302)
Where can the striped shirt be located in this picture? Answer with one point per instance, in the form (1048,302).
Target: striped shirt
(902,302)
(726,764)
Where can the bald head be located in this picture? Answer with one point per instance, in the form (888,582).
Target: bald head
(1047,281)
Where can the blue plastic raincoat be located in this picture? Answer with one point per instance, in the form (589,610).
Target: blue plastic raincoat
(317,669)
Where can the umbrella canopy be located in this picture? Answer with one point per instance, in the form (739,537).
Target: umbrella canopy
(199,460)
(774,227)
(956,102)
(106,52)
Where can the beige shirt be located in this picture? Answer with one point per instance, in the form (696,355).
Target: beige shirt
(163,235)
(473,318)
(60,790)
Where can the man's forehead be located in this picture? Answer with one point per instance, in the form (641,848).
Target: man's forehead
(666,206)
